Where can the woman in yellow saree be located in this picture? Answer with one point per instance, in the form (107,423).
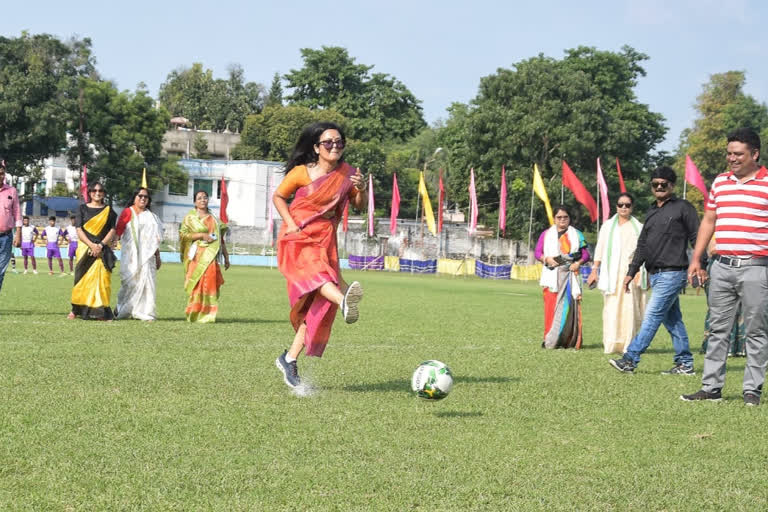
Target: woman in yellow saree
(202,242)
(95,224)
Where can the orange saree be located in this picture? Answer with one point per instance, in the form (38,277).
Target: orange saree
(309,259)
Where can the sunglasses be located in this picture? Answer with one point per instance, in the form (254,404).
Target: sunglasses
(623,205)
(143,196)
(661,185)
(329,144)
(97,190)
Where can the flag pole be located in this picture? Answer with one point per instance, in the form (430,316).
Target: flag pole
(530,226)
(685,184)
(598,206)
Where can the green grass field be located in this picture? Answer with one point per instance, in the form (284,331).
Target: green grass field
(173,416)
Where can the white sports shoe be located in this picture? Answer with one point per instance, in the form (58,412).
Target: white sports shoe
(349,304)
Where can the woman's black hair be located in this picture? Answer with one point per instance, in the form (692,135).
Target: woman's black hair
(135,193)
(562,208)
(626,194)
(304,152)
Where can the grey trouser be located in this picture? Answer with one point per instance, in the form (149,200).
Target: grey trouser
(727,287)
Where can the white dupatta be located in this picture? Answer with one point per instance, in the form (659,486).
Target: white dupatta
(610,256)
(552,249)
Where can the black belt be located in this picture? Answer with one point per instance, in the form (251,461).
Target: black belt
(666,269)
(742,262)
(3,233)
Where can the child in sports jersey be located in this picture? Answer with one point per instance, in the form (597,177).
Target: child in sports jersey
(71,235)
(52,234)
(28,237)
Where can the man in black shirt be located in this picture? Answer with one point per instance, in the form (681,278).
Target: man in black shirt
(670,225)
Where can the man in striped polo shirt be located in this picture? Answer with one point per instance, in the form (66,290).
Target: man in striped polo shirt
(737,214)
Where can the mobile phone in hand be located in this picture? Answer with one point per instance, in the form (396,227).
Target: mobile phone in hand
(593,284)
(695,281)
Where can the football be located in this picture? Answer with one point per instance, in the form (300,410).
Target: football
(432,380)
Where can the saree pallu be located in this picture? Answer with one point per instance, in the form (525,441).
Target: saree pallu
(202,273)
(93,276)
(562,313)
(309,259)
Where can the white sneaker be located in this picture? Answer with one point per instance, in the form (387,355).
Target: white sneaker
(34,272)
(349,304)
(26,271)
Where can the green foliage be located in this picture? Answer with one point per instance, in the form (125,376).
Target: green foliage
(125,131)
(378,107)
(61,190)
(208,103)
(272,133)
(275,95)
(722,107)
(544,110)
(38,80)
(200,145)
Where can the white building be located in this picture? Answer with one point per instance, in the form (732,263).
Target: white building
(248,187)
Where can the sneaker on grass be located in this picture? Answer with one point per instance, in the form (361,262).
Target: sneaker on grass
(751,399)
(290,370)
(623,365)
(349,303)
(712,396)
(679,369)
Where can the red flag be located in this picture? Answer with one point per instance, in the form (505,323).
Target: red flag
(579,191)
(371,205)
(693,177)
(395,206)
(602,187)
(621,178)
(346,217)
(440,200)
(84,184)
(503,201)
(224,201)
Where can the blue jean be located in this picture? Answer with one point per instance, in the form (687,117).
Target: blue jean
(663,308)
(6,250)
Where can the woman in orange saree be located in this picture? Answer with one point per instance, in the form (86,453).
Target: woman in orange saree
(307,254)
(202,243)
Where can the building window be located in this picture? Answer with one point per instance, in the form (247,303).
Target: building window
(178,187)
(218,188)
(206,185)
(40,188)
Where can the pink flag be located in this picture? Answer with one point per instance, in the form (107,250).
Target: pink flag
(472,203)
(270,223)
(224,201)
(603,189)
(693,177)
(84,184)
(503,201)
(440,201)
(370,205)
(395,206)
(622,187)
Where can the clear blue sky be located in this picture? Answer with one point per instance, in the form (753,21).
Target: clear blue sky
(439,50)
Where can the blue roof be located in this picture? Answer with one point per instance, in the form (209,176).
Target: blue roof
(61,204)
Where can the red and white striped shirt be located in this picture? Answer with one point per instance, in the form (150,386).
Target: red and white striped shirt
(741,228)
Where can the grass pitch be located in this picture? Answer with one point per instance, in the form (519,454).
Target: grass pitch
(173,416)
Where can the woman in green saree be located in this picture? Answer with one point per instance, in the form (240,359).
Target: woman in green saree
(202,243)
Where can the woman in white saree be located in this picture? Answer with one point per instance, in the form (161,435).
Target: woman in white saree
(140,232)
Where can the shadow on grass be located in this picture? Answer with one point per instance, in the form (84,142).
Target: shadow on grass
(458,414)
(404,385)
(226,320)
(28,312)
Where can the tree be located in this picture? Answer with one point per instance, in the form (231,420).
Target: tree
(272,134)
(722,107)
(544,110)
(378,107)
(200,145)
(124,132)
(275,95)
(208,103)
(38,87)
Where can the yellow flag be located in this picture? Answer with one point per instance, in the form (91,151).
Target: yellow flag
(538,188)
(428,215)
(144,179)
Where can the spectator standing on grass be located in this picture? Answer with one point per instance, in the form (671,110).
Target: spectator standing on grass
(622,312)
(28,237)
(51,234)
(70,233)
(737,214)
(321,184)
(10,218)
(670,225)
(562,249)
